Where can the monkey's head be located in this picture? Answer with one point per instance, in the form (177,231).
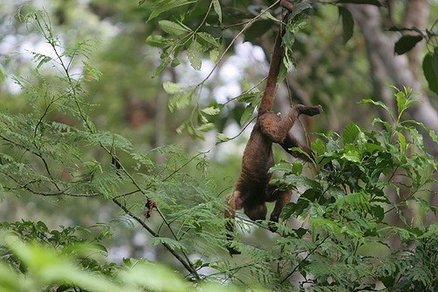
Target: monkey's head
(256,211)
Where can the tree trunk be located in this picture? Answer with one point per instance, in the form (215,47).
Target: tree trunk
(404,70)
(397,67)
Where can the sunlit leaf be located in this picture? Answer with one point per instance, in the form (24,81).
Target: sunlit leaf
(179,101)
(222,137)
(173,28)
(217,8)
(157,41)
(194,53)
(211,110)
(168,5)
(171,88)
(206,127)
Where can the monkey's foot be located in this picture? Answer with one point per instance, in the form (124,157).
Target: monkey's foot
(309,110)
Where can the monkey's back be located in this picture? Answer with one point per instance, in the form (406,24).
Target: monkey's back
(256,161)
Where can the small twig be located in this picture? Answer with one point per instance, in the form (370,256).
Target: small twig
(127,194)
(303,260)
(247,25)
(240,133)
(187,265)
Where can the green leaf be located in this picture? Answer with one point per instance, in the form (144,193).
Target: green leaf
(211,110)
(378,212)
(371,2)
(249,97)
(318,146)
(347,23)
(156,41)
(173,28)
(283,167)
(179,101)
(247,115)
(350,133)
(294,208)
(217,8)
(430,70)
(387,125)
(171,88)
(406,43)
(268,15)
(214,55)
(257,29)
(300,8)
(166,6)
(431,133)
(41,59)
(2,74)
(403,101)
(206,127)
(208,38)
(378,103)
(299,180)
(194,53)
(352,156)
(288,211)
(222,137)
(297,168)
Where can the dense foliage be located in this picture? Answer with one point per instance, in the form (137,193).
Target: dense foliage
(334,237)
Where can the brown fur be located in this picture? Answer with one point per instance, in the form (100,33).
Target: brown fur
(253,188)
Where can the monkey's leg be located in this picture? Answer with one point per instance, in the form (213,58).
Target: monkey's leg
(234,203)
(281,198)
(309,110)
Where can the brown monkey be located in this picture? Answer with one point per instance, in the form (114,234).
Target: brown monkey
(253,189)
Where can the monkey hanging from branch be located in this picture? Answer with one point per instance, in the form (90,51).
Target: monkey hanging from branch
(253,188)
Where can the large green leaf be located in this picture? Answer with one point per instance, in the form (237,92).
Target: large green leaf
(167,6)
(173,28)
(217,8)
(347,23)
(194,53)
(430,69)
(350,133)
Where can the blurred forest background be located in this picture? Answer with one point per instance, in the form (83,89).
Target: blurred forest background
(193,141)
